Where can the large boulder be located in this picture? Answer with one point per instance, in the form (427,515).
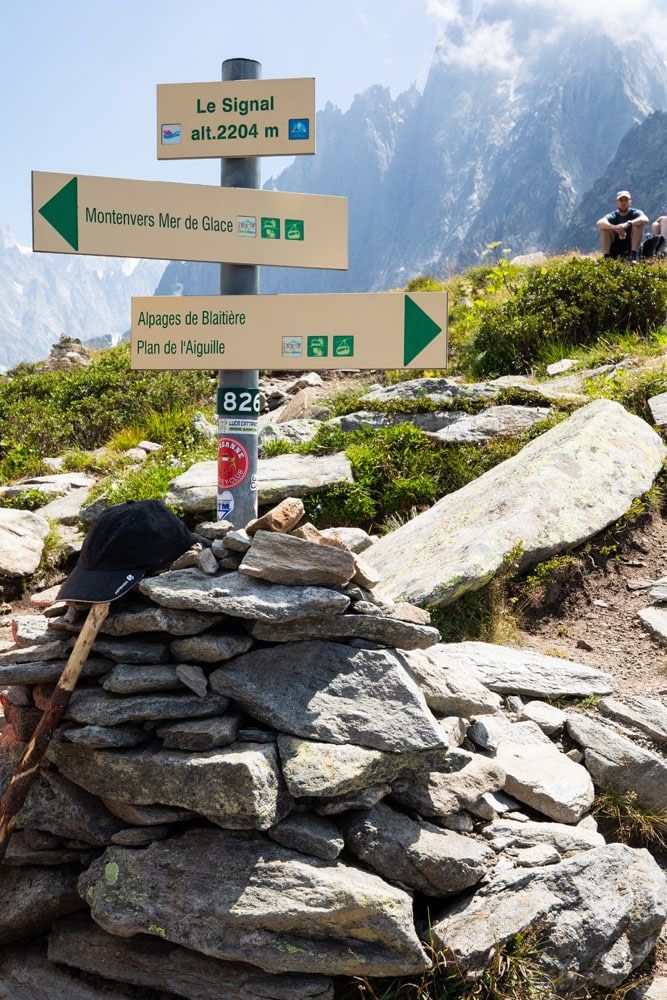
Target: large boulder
(22,536)
(284,476)
(233,896)
(558,491)
(599,915)
(32,898)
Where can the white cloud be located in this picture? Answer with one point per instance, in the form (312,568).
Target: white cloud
(484,47)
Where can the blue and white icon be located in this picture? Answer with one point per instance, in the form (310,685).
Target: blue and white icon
(298,128)
(171,134)
(225,505)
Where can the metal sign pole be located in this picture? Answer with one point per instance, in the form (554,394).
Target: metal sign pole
(238,391)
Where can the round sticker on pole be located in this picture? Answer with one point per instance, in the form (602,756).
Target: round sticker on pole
(233,463)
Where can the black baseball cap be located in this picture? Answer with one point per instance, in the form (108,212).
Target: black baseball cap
(125,542)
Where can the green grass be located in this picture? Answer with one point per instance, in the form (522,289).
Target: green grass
(50,412)
(632,821)
(513,973)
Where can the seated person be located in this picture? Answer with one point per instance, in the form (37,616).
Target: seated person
(659,227)
(621,231)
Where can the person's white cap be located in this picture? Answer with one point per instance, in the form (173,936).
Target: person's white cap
(623,194)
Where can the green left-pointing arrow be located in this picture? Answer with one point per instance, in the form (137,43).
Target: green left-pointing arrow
(418,330)
(62,212)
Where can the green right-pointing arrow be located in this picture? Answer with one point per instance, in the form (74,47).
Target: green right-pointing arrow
(62,212)
(418,330)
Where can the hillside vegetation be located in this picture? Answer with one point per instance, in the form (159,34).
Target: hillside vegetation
(505,319)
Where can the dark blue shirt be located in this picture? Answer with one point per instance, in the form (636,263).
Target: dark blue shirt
(616,219)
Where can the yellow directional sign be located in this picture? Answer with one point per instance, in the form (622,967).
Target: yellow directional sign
(128,218)
(381,330)
(235,118)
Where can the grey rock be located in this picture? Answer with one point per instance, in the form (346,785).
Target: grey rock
(355,539)
(378,628)
(542,777)
(136,815)
(309,834)
(549,718)
(563,838)
(521,671)
(460,822)
(207,562)
(22,536)
(559,367)
(131,651)
(449,688)
(659,590)
(330,692)
(250,734)
(149,446)
(432,390)
(360,925)
(237,541)
(31,630)
(65,509)
(19,852)
(456,784)
(298,431)
(492,804)
(130,678)
(326,770)
(365,798)
(48,671)
(31,654)
(105,737)
(238,787)
(536,857)
(454,730)
(237,595)
(59,806)
(645,714)
(285,559)
(96,708)
(214,529)
(26,974)
(150,618)
(281,477)
(545,498)
(494,422)
(92,511)
(655,619)
(200,734)
(617,763)
(600,915)
(193,677)
(211,647)
(32,898)
(658,407)
(140,836)
(416,855)
(489,731)
(204,427)
(155,964)
(18,694)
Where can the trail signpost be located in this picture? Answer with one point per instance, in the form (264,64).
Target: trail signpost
(235,118)
(240,227)
(381,330)
(127,218)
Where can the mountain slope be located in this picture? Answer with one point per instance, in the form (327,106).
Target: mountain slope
(44,295)
(640,165)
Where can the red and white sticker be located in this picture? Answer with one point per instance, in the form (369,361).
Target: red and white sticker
(233,463)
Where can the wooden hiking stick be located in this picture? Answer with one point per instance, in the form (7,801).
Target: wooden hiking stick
(28,767)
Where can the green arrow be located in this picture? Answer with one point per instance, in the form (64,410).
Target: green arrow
(62,212)
(418,330)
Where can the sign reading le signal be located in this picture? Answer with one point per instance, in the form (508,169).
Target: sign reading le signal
(381,330)
(125,218)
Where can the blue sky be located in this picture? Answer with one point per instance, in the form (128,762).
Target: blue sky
(77,79)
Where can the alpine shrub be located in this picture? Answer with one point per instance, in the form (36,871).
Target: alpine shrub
(574,302)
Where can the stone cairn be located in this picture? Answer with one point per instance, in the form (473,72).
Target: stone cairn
(269,777)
